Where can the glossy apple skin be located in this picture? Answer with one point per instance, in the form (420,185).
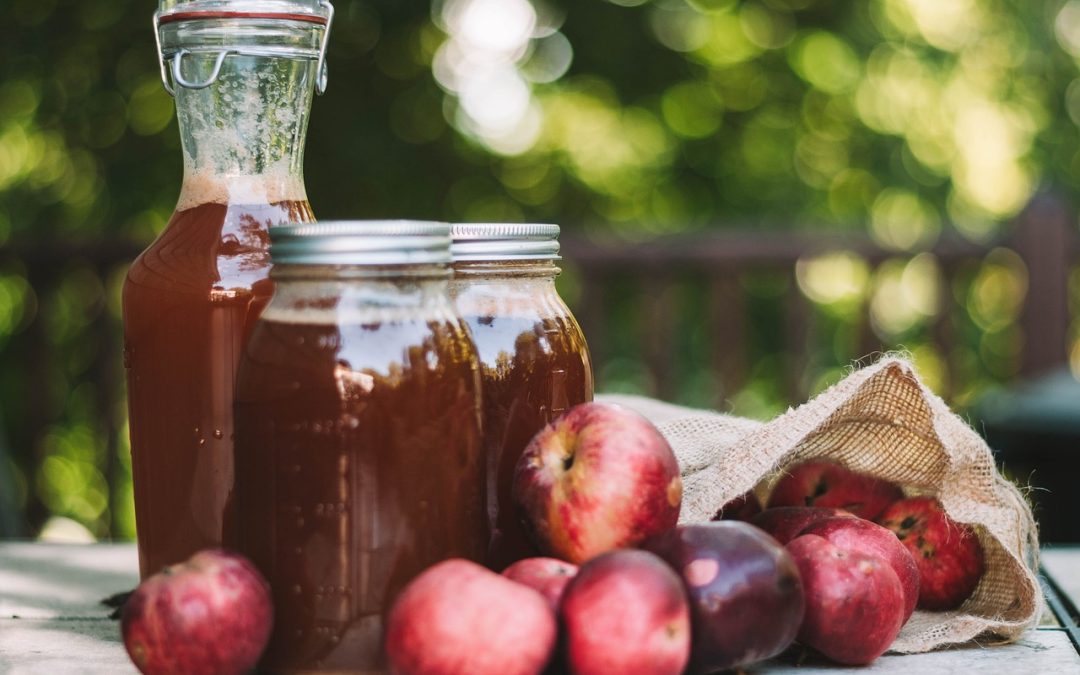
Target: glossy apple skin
(746,598)
(948,554)
(863,536)
(784,523)
(822,483)
(211,614)
(600,477)
(458,618)
(854,602)
(626,613)
(547,576)
(744,507)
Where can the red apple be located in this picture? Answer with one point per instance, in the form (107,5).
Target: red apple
(856,534)
(854,602)
(625,612)
(210,614)
(822,483)
(784,523)
(948,554)
(744,507)
(458,618)
(746,600)
(547,576)
(598,478)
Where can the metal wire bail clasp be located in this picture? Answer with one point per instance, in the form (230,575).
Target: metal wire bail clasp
(321,69)
(176,58)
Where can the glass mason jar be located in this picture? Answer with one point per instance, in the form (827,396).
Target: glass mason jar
(534,362)
(358,453)
(242,73)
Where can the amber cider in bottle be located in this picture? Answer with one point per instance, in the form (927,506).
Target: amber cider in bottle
(243,83)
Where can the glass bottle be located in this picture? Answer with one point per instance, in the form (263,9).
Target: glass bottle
(358,452)
(242,74)
(534,362)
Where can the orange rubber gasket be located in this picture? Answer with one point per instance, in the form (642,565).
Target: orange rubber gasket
(194,16)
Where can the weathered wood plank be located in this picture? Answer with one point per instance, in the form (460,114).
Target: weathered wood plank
(55,592)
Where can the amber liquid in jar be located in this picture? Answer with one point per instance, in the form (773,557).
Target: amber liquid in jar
(190,302)
(534,365)
(360,465)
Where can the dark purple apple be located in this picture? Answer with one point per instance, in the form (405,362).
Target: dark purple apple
(746,598)
(785,523)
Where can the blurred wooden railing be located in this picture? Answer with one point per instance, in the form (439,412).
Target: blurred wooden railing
(1044,236)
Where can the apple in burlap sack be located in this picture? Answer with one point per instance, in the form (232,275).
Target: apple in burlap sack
(784,523)
(827,484)
(948,554)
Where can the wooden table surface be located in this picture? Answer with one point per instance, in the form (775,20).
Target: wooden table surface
(51,621)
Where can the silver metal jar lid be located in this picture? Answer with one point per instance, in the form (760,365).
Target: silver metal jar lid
(361,242)
(504,241)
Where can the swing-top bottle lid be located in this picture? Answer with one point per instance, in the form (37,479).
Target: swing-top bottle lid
(312,11)
(222,28)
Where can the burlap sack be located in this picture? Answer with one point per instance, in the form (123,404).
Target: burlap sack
(881,420)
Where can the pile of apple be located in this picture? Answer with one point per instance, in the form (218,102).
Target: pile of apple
(600,489)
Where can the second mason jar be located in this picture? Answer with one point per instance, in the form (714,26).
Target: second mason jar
(534,362)
(358,453)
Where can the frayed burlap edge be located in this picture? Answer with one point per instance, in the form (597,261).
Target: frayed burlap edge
(883,421)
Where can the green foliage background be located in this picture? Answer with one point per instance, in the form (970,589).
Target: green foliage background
(905,119)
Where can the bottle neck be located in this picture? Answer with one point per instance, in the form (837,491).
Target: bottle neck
(243,133)
(243,136)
